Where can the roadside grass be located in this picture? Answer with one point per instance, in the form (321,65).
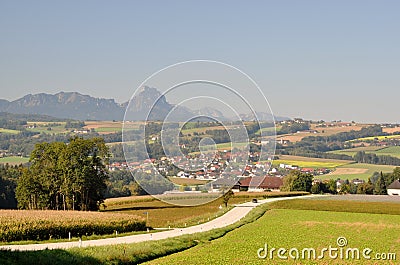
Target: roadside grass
(369,170)
(125,253)
(2,130)
(14,160)
(295,228)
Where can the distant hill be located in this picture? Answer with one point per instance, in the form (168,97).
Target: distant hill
(73,105)
(69,105)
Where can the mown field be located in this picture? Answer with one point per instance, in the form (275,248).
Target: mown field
(357,170)
(286,226)
(13,160)
(309,162)
(17,225)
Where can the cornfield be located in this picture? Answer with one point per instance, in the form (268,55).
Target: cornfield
(16,225)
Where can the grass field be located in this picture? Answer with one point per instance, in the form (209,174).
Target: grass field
(106,127)
(42,127)
(310,162)
(357,170)
(13,160)
(286,226)
(391,150)
(2,130)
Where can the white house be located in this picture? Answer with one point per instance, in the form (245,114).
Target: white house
(394,188)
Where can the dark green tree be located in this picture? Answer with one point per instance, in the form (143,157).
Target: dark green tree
(380,186)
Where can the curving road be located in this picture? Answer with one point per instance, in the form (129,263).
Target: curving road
(232,216)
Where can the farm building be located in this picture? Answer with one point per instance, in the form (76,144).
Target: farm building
(394,188)
(221,183)
(261,183)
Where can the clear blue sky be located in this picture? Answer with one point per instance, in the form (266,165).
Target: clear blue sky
(313,59)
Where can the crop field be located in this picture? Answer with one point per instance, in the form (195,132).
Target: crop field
(391,130)
(2,130)
(379,138)
(295,137)
(310,162)
(300,229)
(16,225)
(186,181)
(13,160)
(107,127)
(357,170)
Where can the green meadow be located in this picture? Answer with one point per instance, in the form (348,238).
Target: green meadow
(288,227)
(14,160)
(2,130)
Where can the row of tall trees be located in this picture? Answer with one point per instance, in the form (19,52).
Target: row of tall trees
(8,182)
(68,176)
(370,158)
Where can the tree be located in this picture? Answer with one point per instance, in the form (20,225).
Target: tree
(316,188)
(65,176)
(331,187)
(297,181)
(228,194)
(380,186)
(365,188)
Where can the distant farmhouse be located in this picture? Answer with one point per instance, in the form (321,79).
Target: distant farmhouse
(394,188)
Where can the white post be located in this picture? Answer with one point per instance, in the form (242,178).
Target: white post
(69,236)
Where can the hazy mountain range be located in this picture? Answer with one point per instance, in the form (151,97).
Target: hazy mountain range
(73,105)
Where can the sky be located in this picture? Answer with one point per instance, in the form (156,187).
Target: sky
(329,60)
